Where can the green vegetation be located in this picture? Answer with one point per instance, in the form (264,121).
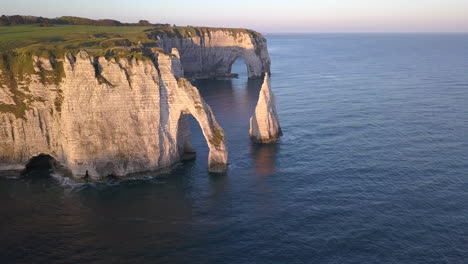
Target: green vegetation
(60,37)
(186,32)
(55,41)
(54,76)
(68,20)
(58,101)
(17,68)
(72,37)
(218,136)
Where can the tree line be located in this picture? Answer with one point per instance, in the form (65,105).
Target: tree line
(69,20)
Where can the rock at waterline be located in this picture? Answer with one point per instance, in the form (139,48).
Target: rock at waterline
(264,124)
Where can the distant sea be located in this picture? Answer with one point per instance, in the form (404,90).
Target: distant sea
(372,168)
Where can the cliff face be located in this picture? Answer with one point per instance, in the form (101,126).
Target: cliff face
(123,114)
(116,116)
(210,53)
(264,124)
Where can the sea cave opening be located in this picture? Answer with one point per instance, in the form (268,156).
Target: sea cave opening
(40,166)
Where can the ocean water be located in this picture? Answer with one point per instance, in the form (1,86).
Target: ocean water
(372,168)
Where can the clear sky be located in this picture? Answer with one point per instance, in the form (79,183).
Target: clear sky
(266,15)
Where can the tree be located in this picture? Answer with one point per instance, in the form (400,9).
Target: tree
(144,23)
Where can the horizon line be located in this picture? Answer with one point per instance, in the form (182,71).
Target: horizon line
(364,32)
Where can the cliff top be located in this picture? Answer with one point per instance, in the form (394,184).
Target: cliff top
(53,37)
(19,43)
(60,38)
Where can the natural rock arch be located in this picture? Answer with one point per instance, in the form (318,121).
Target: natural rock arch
(235,61)
(213,133)
(210,54)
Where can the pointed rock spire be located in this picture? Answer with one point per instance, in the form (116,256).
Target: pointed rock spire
(264,124)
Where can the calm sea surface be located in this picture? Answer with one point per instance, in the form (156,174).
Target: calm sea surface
(372,168)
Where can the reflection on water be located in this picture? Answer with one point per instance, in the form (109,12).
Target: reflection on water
(219,183)
(264,156)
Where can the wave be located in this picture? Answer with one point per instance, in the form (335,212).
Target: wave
(66,181)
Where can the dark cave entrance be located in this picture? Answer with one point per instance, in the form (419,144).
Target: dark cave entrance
(239,68)
(40,166)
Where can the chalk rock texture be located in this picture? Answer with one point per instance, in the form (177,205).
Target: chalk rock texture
(210,52)
(264,124)
(106,117)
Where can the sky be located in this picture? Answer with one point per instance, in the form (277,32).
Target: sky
(267,16)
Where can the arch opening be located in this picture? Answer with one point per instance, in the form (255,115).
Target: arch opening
(184,137)
(212,132)
(239,68)
(41,165)
(191,140)
(193,143)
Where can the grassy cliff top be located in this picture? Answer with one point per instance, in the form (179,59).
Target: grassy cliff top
(65,37)
(57,39)
(19,43)
(186,32)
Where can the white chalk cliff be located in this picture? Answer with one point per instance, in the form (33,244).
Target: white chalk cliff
(264,124)
(106,117)
(120,115)
(210,53)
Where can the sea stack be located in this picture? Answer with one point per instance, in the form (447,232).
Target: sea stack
(264,124)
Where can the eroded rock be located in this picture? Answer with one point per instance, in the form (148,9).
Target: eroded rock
(264,124)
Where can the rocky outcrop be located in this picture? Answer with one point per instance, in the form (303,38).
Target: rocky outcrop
(264,124)
(210,52)
(112,116)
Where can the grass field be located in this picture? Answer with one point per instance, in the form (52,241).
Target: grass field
(58,38)
(32,37)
